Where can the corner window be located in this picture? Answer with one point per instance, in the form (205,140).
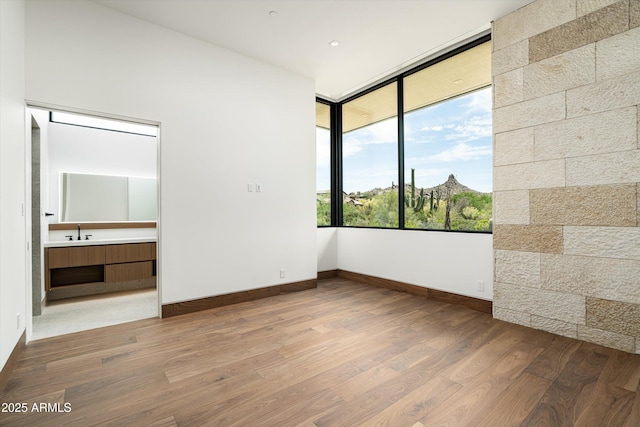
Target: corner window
(414,152)
(447,143)
(370,159)
(323,163)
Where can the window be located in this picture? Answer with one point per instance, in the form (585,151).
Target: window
(370,159)
(323,163)
(414,152)
(102,123)
(447,143)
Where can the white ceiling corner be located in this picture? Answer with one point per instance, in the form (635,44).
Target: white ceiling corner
(377,37)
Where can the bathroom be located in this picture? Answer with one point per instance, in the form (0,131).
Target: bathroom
(95,192)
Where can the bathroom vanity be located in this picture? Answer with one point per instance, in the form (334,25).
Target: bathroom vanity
(91,267)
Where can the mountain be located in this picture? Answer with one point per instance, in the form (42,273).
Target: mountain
(452,183)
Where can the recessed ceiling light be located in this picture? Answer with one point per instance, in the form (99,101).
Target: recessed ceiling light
(273,13)
(458,81)
(334,43)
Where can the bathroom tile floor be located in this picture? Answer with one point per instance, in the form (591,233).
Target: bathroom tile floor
(80,314)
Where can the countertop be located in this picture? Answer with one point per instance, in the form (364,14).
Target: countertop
(116,241)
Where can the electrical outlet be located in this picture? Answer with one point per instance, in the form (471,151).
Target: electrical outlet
(481,285)
(282,274)
(258,187)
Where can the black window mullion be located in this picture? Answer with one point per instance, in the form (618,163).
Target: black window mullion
(336,164)
(400,101)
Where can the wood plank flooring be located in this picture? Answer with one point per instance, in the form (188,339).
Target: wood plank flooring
(344,354)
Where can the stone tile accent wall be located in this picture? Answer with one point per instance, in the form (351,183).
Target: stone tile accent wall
(587,6)
(613,205)
(587,29)
(528,238)
(607,132)
(566,122)
(634,18)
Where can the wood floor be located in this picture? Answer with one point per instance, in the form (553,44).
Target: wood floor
(344,354)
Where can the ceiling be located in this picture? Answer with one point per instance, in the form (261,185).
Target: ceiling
(377,37)
(459,74)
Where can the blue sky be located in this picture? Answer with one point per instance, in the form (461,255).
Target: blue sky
(452,137)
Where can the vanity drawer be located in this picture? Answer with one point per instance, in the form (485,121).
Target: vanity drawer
(130,252)
(75,257)
(128,271)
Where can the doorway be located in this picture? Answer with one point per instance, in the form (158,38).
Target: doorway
(65,147)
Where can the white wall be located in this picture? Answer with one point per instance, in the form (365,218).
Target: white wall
(327,248)
(94,151)
(13,249)
(452,262)
(226,121)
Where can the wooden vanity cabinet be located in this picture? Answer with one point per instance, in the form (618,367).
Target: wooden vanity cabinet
(131,252)
(95,269)
(74,265)
(128,271)
(129,262)
(76,256)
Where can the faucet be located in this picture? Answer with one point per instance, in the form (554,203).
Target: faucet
(79,238)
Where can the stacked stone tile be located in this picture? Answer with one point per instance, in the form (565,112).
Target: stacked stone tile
(566,80)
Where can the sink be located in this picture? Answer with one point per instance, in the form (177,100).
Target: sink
(114,241)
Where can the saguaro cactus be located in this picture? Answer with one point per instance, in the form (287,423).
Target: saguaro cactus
(434,201)
(447,212)
(413,202)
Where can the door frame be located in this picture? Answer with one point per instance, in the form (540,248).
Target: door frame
(29,217)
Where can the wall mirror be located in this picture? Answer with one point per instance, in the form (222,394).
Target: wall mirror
(87,197)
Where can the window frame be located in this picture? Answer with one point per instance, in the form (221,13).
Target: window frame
(335,180)
(336,142)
